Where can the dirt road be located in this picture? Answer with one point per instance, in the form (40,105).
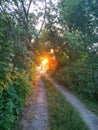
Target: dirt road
(35,114)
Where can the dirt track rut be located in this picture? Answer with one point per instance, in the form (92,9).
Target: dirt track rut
(35,115)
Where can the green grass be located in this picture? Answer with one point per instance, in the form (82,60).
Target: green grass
(62,116)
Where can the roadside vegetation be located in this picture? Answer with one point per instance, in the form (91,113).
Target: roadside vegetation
(62,116)
(15,77)
(90,103)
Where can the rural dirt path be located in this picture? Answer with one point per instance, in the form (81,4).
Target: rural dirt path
(89,117)
(35,113)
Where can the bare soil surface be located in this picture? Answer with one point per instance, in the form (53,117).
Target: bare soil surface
(35,113)
(89,117)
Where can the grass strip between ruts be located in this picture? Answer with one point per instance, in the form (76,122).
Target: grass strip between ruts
(62,116)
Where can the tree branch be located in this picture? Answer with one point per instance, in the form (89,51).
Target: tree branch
(42,24)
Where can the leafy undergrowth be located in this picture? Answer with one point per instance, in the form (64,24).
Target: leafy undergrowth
(15,84)
(12,99)
(89,102)
(62,116)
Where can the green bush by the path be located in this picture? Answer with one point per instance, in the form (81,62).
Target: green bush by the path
(12,97)
(62,116)
(15,82)
(14,86)
(82,79)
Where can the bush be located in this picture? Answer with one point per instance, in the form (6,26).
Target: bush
(80,78)
(14,86)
